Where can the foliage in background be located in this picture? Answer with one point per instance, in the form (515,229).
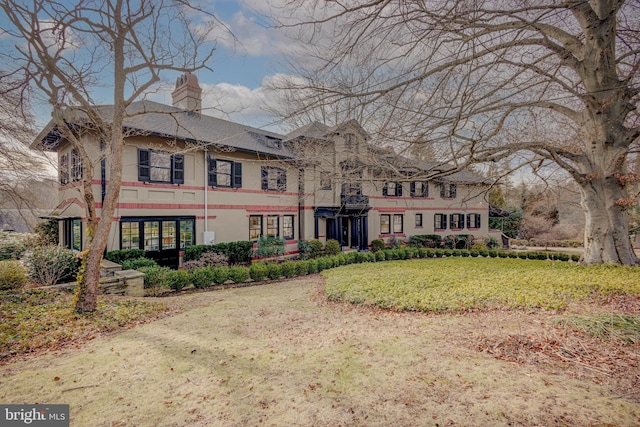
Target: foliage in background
(137,263)
(310,249)
(122,255)
(425,241)
(14,245)
(377,245)
(238,252)
(268,247)
(332,247)
(12,275)
(47,232)
(178,279)
(454,284)
(208,259)
(155,279)
(48,265)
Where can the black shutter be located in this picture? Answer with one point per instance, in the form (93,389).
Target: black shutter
(282,180)
(213,176)
(144,168)
(398,189)
(469,220)
(452,191)
(451,221)
(177,164)
(385,191)
(236,169)
(265,178)
(442,190)
(425,189)
(412,189)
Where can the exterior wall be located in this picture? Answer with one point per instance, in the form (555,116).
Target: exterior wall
(225,211)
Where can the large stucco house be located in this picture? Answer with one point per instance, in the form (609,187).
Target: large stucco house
(189,178)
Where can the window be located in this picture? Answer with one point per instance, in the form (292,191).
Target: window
(419,220)
(186,233)
(73,234)
(448,191)
(225,173)
(151,235)
(385,224)
(274,179)
(397,223)
(440,222)
(64,169)
(272,226)
(159,166)
(129,235)
(456,221)
(473,220)
(255,227)
(325,181)
(352,189)
(392,189)
(76,165)
(419,189)
(350,143)
(287,227)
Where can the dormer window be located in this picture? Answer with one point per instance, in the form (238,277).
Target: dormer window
(272,142)
(447,190)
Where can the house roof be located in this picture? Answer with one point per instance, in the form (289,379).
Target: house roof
(153,118)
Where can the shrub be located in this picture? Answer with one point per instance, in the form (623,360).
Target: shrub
(125,254)
(310,249)
(155,278)
(479,246)
(322,264)
(47,232)
(332,247)
(377,245)
(425,241)
(239,274)
(274,271)
(350,257)
(575,257)
(492,243)
(137,263)
(312,266)
(492,253)
(302,268)
(379,256)
(564,257)
(288,269)
(178,279)
(47,265)
(339,260)
(12,275)
(202,277)
(11,248)
(268,247)
(208,259)
(328,262)
(412,252)
(220,275)
(258,271)
(394,242)
(237,252)
(369,257)
(430,253)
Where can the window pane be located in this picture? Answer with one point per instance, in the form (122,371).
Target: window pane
(160,166)
(418,220)
(397,223)
(287,227)
(77,235)
(223,171)
(168,234)
(186,233)
(385,224)
(272,226)
(130,238)
(151,236)
(255,227)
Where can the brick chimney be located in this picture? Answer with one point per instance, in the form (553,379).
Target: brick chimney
(187,94)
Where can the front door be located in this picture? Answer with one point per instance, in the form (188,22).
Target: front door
(345,231)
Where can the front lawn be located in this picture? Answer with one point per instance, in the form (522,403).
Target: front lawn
(37,320)
(458,284)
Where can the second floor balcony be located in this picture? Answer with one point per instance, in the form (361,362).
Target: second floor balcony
(354,201)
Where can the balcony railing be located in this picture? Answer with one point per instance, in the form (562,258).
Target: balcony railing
(354,201)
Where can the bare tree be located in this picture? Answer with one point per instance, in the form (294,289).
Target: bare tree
(67,50)
(20,168)
(481,80)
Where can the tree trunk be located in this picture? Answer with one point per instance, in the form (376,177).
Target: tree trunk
(606,234)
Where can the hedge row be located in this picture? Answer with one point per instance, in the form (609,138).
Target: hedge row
(238,252)
(162,277)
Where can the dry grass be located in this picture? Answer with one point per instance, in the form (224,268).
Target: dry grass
(280,354)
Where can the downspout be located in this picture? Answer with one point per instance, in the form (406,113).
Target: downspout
(206,192)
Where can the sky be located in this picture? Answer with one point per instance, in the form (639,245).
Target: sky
(241,66)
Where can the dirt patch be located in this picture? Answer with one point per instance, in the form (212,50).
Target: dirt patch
(279,354)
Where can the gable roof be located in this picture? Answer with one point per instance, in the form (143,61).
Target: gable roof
(153,118)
